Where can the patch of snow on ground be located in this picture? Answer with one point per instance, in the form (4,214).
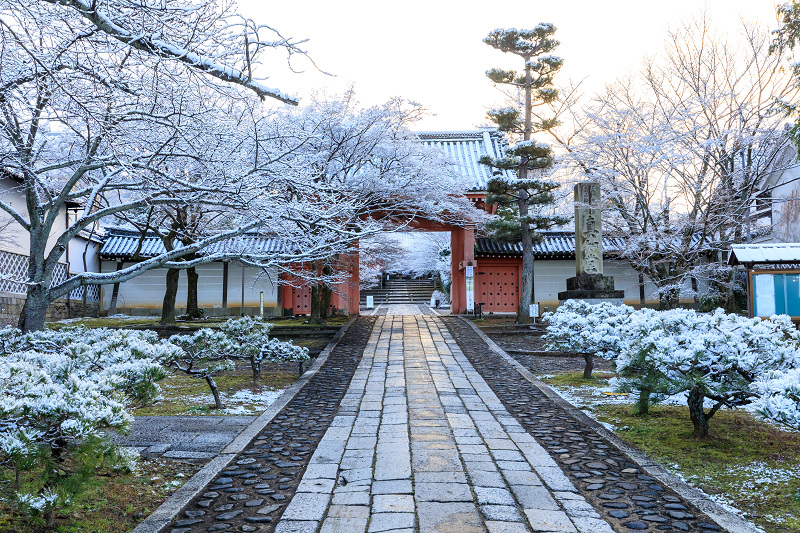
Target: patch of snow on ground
(243,402)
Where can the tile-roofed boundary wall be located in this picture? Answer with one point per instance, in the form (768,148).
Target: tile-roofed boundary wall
(120,243)
(466,148)
(554,245)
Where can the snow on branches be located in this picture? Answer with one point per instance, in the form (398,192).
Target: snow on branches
(725,359)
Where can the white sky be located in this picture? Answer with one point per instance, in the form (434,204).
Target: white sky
(431,51)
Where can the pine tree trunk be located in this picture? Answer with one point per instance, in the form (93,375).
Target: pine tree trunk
(587,369)
(697,413)
(255,366)
(642,406)
(192,310)
(214,391)
(526,281)
(170,295)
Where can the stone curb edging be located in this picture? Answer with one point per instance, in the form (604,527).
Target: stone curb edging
(724,518)
(166,512)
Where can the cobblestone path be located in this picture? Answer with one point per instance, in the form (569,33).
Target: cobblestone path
(410,437)
(622,494)
(253,491)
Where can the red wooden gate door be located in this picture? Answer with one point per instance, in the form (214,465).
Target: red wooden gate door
(302,300)
(497,287)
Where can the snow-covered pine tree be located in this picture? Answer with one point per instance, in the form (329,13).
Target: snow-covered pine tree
(520,200)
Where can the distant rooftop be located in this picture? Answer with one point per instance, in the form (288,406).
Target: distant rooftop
(466,148)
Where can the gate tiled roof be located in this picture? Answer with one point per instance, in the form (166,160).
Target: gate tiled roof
(466,148)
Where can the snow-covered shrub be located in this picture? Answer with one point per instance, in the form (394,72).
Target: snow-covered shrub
(203,354)
(725,358)
(779,396)
(715,356)
(250,341)
(208,351)
(581,327)
(588,329)
(59,392)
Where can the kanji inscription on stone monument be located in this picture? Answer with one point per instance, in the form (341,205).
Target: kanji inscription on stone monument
(588,230)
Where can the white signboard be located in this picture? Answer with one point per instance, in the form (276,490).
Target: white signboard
(765,294)
(470,290)
(370,302)
(534,310)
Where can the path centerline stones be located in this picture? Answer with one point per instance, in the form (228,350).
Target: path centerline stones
(421,443)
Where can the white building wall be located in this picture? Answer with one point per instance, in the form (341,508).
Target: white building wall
(550,278)
(146,291)
(14,238)
(77,247)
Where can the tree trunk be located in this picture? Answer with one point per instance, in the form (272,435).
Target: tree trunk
(49,518)
(255,366)
(34,311)
(642,406)
(170,295)
(214,391)
(192,310)
(315,311)
(112,309)
(696,412)
(325,301)
(587,369)
(526,281)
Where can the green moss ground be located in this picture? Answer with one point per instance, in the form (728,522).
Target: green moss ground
(748,462)
(112,503)
(183,394)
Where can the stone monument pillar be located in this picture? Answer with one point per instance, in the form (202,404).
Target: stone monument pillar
(589,282)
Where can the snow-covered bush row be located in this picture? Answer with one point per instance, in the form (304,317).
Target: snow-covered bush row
(59,391)
(729,359)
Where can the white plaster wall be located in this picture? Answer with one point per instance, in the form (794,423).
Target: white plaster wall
(550,278)
(77,247)
(14,238)
(146,291)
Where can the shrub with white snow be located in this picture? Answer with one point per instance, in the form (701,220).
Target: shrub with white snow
(723,359)
(59,392)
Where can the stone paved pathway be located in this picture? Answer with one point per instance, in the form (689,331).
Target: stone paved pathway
(420,441)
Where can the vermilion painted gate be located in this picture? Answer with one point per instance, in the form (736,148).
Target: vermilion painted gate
(497,286)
